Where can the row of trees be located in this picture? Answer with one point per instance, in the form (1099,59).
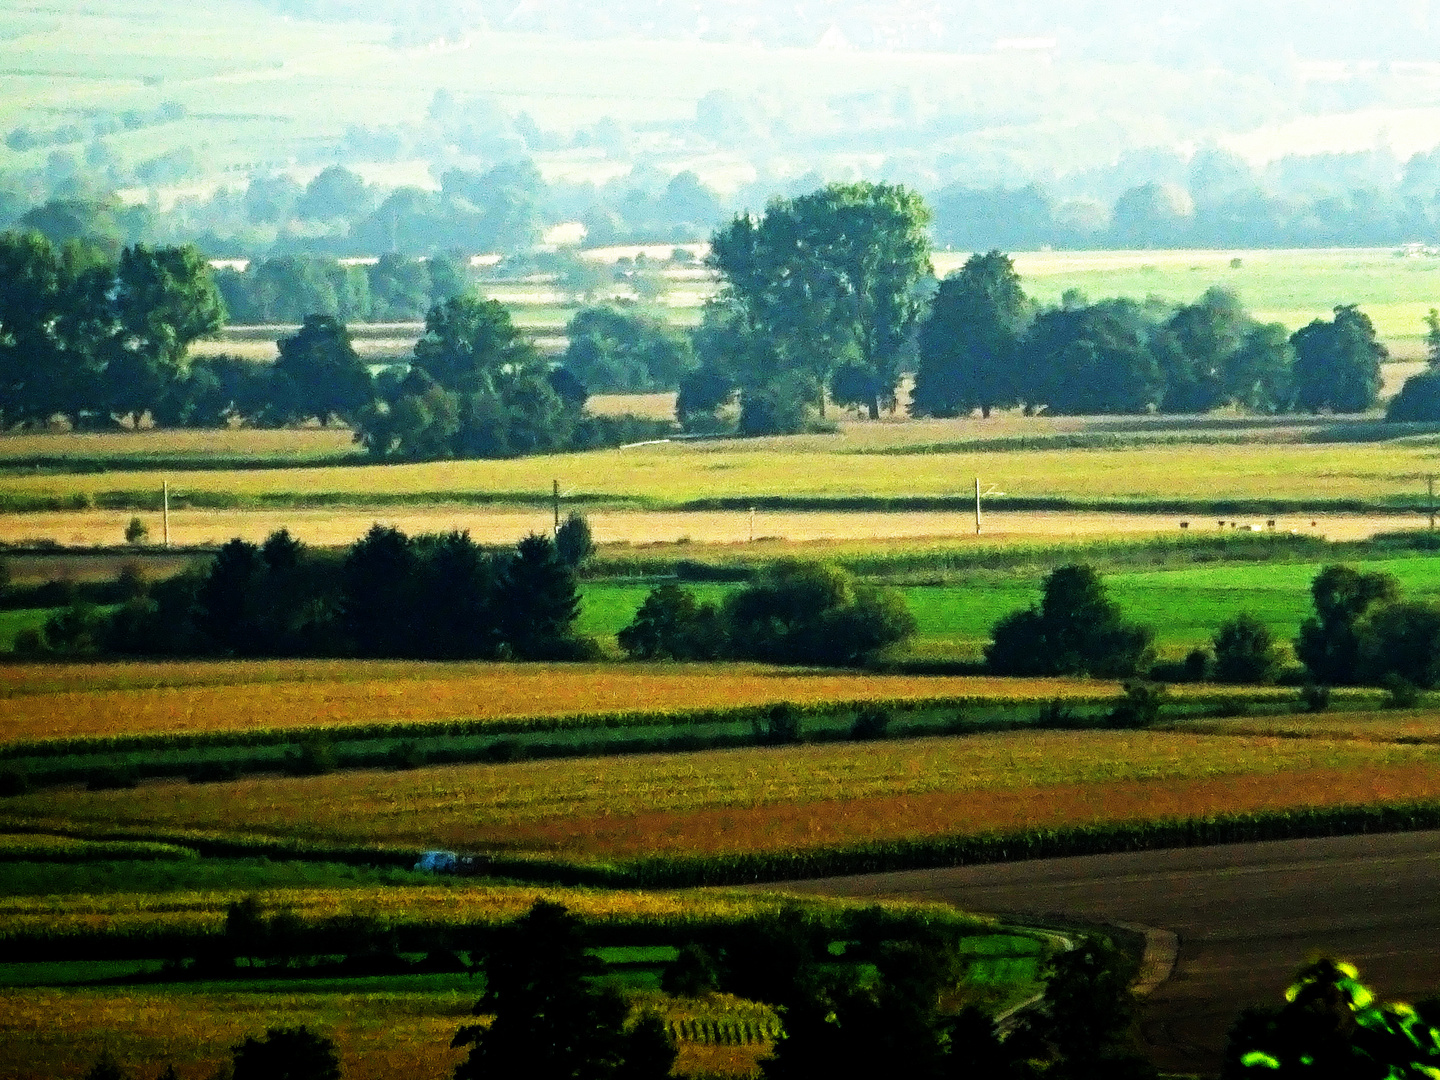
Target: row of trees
(288,288)
(828,295)
(389,595)
(986,345)
(1362,632)
(99,342)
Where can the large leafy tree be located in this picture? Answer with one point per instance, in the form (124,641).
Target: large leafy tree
(1329,642)
(1337,363)
(1204,336)
(969,340)
(37,371)
(320,374)
(1086,360)
(618,350)
(164,299)
(827,279)
(1075,630)
(472,345)
(549,1020)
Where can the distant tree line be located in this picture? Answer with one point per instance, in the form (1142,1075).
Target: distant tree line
(287,288)
(1362,632)
(985,345)
(826,297)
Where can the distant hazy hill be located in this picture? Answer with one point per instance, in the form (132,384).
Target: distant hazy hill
(1257,31)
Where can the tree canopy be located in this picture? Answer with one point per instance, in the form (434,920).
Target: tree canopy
(821,281)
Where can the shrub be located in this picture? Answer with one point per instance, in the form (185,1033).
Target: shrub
(691,974)
(1057,714)
(1199,665)
(872,722)
(1400,692)
(573,542)
(136,532)
(405,755)
(1140,705)
(287,1054)
(809,613)
(1401,640)
(1245,651)
(13,782)
(111,778)
(778,726)
(1075,630)
(316,757)
(1314,699)
(1418,400)
(672,625)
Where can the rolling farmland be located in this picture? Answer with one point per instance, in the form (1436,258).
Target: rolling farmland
(769,800)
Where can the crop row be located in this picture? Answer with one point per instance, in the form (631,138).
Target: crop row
(40,847)
(456,915)
(1073,693)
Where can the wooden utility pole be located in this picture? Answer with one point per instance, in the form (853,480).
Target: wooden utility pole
(555,488)
(1430,480)
(977,506)
(165,511)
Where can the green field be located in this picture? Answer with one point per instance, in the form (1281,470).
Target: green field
(1184,606)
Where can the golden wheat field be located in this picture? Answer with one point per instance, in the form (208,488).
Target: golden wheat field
(764,799)
(44,701)
(858,462)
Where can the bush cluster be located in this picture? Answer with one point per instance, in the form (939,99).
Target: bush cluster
(795,613)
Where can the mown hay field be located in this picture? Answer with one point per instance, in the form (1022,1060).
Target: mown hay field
(77,700)
(777,532)
(767,800)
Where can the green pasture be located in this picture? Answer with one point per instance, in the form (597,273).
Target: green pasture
(1184,606)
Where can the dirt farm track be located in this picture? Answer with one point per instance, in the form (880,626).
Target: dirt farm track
(1247,916)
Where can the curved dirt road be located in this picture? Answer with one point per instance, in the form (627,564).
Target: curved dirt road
(1247,916)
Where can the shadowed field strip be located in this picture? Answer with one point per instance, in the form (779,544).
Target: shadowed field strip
(770,800)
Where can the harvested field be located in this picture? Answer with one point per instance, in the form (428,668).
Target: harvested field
(854,467)
(770,800)
(1248,916)
(74,701)
(341,526)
